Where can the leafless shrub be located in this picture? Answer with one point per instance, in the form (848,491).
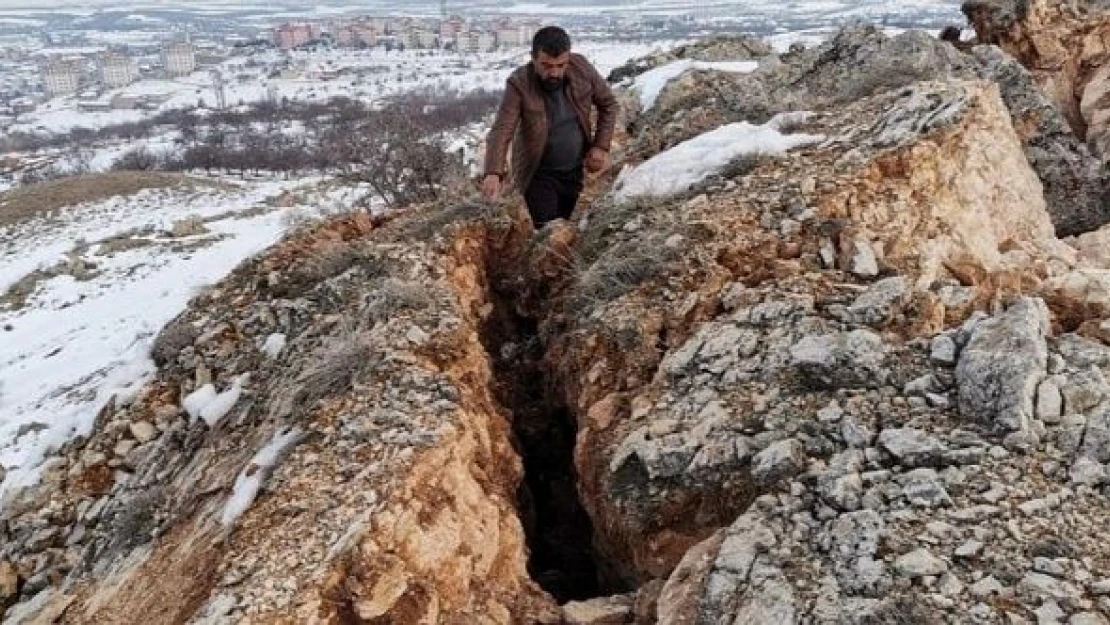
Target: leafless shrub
(138,159)
(399,164)
(132,522)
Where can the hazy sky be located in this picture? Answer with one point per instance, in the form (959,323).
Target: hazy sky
(124,5)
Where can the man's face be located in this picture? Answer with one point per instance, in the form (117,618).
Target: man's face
(551,69)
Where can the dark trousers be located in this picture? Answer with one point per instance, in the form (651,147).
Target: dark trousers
(552,195)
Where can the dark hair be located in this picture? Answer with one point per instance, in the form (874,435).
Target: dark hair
(951,33)
(551,40)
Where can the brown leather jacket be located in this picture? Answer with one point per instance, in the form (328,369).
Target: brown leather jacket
(522,118)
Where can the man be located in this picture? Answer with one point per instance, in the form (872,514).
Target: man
(545,114)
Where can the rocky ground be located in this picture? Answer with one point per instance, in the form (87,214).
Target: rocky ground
(864,382)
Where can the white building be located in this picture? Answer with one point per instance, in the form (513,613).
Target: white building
(477,41)
(117,70)
(420,38)
(62,77)
(382,25)
(429,39)
(513,37)
(180,58)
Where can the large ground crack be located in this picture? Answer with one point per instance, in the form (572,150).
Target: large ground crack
(562,557)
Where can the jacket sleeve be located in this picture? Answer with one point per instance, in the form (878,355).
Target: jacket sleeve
(501,134)
(607,110)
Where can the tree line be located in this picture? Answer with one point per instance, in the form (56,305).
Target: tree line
(398,149)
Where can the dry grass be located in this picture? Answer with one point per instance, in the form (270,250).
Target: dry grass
(389,297)
(43,199)
(331,369)
(743,165)
(175,337)
(623,268)
(423,222)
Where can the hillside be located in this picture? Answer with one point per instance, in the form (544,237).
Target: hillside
(829,346)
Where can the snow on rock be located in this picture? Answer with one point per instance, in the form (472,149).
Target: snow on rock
(274,344)
(690,162)
(221,405)
(250,479)
(195,402)
(651,83)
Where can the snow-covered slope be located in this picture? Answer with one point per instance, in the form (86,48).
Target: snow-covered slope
(122,271)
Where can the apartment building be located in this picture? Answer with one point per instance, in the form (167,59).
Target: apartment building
(289,36)
(117,70)
(179,58)
(62,77)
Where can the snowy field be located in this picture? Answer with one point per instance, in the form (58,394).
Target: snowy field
(78,342)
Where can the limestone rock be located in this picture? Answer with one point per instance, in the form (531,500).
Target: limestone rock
(1043,586)
(919,563)
(923,487)
(944,350)
(1088,471)
(864,264)
(601,611)
(1002,365)
(1050,403)
(745,581)
(847,360)
(876,304)
(911,446)
(1064,45)
(1085,390)
(1087,618)
(191,226)
(1075,187)
(143,431)
(780,460)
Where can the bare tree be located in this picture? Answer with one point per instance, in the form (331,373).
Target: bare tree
(395,155)
(138,159)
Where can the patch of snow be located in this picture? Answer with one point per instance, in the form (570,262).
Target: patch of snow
(195,402)
(274,344)
(652,82)
(250,479)
(688,163)
(221,405)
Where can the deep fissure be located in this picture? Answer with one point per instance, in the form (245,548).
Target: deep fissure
(562,558)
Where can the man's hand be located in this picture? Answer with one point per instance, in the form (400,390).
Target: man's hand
(597,160)
(491,187)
